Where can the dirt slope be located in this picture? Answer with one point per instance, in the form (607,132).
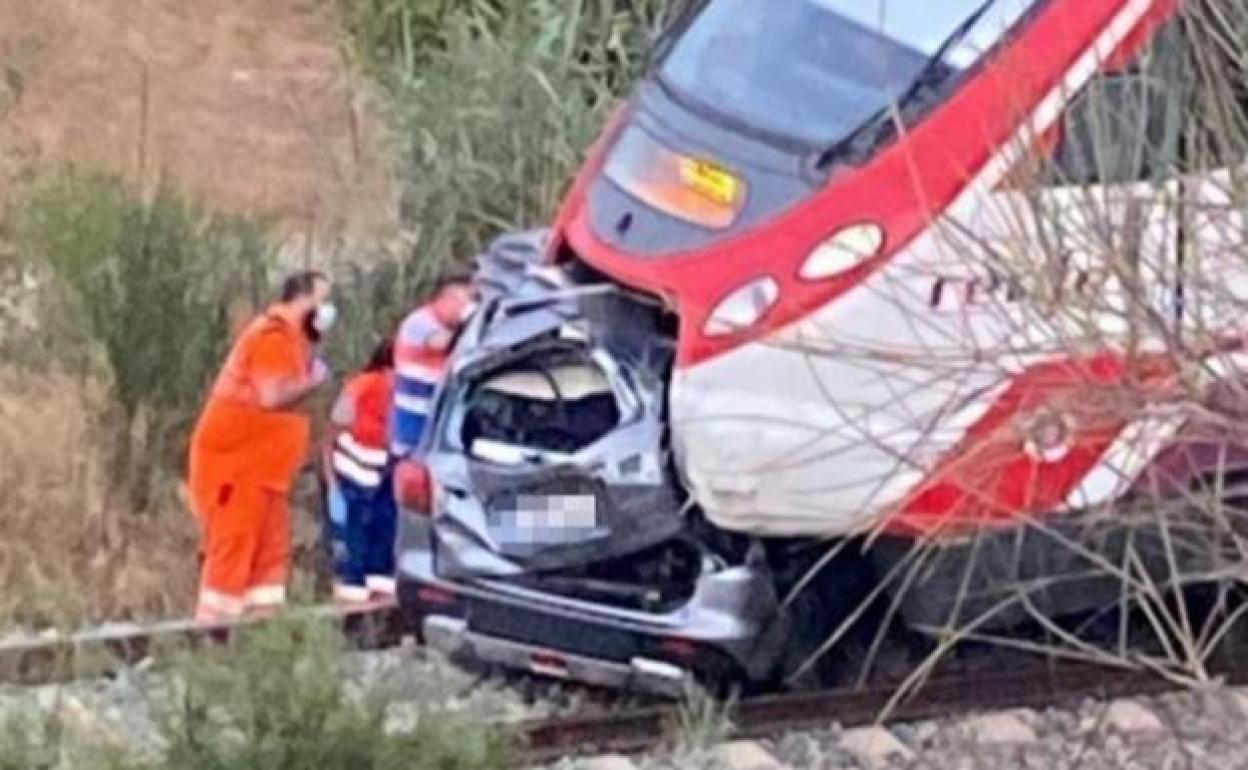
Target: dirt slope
(245,102)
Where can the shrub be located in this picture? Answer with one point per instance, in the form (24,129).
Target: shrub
(498,122)
(152,280)
(391,33)
(278,699)
(283,696)
(394,38)
(28,743)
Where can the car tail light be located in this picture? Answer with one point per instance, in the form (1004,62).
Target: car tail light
(697,190)
(436,596)
(742,308)
(680,650)
(413,487)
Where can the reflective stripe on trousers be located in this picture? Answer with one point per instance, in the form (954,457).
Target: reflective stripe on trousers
(214,605)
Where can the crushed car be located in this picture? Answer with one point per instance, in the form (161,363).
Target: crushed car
(553,476)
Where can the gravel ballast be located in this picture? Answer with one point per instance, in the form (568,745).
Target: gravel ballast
(1195,730)
(1185,731)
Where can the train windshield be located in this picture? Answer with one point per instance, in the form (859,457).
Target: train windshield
(816,70)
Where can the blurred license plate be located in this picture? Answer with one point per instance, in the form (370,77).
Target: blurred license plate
(543,518)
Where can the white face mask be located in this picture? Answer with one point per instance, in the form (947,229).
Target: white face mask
(324,317)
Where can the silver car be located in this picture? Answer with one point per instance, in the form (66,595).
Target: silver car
(559,538)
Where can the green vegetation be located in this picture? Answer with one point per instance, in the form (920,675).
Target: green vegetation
(150,279)
(497,103)
(27,743)
(395,38)
(498,123)
(279,697)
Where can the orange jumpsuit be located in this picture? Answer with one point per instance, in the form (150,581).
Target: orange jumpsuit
(243,460)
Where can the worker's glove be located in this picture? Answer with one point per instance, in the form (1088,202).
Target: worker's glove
(319,374)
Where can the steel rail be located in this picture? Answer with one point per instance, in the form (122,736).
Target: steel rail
(1035,686)
(56,658)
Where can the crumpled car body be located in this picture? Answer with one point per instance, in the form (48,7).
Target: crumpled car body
(559,520)
(550,445)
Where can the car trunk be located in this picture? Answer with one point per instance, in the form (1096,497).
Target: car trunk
(551,449)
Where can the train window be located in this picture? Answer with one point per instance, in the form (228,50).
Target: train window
(1181,107)
(1121,128)
(1127,126)
(820,72)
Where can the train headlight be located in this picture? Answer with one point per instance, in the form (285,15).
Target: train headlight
(743,307)
(698,190)
(846,249)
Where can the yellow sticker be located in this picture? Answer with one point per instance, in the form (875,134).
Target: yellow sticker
(711,180)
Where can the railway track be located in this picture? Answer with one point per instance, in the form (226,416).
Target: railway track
(58,658)
(1039,686)
(629,730)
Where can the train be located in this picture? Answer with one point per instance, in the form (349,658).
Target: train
(819,332)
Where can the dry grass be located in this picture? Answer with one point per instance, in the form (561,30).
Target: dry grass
(70,552)
(247,104)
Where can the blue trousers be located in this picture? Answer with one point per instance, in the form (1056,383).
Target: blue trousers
(362,527)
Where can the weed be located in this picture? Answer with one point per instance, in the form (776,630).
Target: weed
(278,698)
(396,38)
(29,743)
(505,100)
(71,551)
(700,724)
(152,281)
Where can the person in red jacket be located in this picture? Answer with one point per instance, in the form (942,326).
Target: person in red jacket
(362,509)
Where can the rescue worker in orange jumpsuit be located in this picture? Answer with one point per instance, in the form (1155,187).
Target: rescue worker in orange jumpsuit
(362,513)
(251,439)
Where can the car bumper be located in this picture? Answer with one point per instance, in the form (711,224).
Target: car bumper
(452,637)
(706,641)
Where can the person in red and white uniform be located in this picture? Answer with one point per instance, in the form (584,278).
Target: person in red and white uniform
(421,350)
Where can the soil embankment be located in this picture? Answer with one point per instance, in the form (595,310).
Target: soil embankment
(248,104)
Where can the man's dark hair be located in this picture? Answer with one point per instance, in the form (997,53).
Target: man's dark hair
(300,284)
(382,357)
